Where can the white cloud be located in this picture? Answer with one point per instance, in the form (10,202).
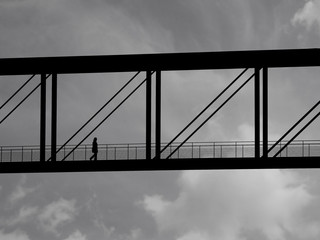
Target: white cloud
(16,235)
(155,204)
(48,218)
(77,235)
(194,235)
(246,132)
(56,214)
(224,204)
(21,191)
(25,214)
(309,15)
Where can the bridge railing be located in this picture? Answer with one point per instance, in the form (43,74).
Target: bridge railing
(136,151)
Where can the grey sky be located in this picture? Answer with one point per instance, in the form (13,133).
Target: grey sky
(51,28)
(166,205)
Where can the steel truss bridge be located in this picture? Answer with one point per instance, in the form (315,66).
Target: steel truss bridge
(154,154)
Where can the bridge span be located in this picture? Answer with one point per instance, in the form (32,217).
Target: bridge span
(286,152)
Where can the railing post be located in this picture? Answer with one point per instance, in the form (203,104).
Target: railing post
(192,150)
(85,152)
(236,150)
(128,154)
(106,151)
(214,150)
(43,118)
(280,148)
(242,150)
(136,153)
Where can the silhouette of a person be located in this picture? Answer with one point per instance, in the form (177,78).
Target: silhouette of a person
(94,149)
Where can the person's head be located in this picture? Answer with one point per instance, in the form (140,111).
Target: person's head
(95,139)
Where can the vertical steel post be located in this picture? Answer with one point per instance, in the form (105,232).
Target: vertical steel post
(54,118)
(148,114)
(265,111)
(158,114)
(257,113)
(43,118)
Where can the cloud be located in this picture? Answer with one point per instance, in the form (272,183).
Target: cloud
(77,235)
(246,133)
(21,191)
(194,235)
(309,15)
(109,232)
(25,214)
(49,218)
(74,28)
(16,235)
(56,214)
(227,204)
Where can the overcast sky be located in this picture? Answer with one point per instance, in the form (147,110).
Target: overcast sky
(205,205)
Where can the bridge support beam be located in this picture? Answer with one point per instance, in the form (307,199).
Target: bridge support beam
(148,114)
(158,114)
(43,118)
(54,118)
(265,112)
(257,113)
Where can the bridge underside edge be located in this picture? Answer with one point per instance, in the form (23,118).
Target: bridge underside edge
(160,165)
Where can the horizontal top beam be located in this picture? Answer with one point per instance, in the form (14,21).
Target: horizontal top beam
(161,61)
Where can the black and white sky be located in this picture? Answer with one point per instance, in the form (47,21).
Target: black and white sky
(181,205)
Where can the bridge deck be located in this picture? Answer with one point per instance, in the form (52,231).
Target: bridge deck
(131,157)
(160,165)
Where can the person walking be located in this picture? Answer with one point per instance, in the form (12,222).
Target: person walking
(94,150)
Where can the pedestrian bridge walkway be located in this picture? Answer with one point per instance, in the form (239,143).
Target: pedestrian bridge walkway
(132,157)
(136,151)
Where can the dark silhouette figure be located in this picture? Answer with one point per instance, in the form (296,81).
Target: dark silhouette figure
(94,149)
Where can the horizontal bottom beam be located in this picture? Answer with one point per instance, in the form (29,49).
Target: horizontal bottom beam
(160,165)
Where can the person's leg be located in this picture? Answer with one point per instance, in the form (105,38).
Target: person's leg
(95,156)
